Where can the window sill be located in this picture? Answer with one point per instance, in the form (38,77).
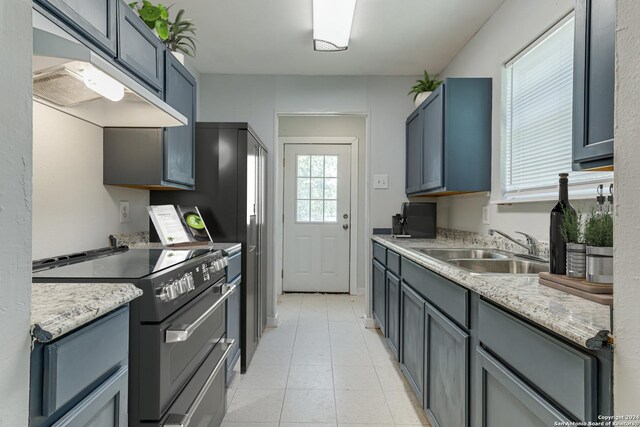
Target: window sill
(576,192)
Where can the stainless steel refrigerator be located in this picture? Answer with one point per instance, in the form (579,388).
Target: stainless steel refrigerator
(231,195)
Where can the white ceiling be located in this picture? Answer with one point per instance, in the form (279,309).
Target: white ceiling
(389,37)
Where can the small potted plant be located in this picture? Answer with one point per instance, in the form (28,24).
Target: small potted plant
(598,235)
(573,235)
(423,88)
(178,36)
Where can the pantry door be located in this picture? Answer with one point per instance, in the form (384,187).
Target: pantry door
(317,218)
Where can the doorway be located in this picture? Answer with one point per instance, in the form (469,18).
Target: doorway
(317,217)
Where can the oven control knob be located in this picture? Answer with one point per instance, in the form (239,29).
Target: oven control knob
(191,284)
(181,286)
(168,292)
(225,261)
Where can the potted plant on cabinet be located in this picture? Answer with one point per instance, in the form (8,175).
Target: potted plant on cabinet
(573,235)
(423,88)
(598,235)
(178,36)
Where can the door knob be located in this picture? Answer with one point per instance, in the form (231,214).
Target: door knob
(345,226)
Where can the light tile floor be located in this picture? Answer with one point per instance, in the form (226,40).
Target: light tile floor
(322,367)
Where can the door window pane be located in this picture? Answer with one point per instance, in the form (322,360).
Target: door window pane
(317,188)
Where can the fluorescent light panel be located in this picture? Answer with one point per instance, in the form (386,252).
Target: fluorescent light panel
(332,21)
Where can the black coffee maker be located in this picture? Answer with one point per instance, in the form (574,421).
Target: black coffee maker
(416,220)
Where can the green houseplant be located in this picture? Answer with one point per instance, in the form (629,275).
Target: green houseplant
(423,88)
(178,36)
(573,235)
(598,235)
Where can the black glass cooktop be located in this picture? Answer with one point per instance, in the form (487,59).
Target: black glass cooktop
(131,264)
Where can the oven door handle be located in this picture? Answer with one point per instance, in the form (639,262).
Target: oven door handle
(183,420)
(183,332)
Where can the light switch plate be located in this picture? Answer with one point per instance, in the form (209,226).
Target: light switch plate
(485,215)
(124,211)
(380,181)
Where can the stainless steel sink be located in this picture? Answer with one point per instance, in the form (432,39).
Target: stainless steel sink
(446,254)
(500,266)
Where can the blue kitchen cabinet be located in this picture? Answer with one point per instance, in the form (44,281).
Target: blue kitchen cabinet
(179,144)
(448,140)
(139,49)
(94,19)
(233,313)
(379,295)
(594,80)
(412,336)
(393,311)
(81,379)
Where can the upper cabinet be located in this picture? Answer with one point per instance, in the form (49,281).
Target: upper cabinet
(179,146)
(594,79)
(139,49)
(94,19)
(448,140)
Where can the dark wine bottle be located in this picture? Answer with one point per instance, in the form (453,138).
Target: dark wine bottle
(557,245)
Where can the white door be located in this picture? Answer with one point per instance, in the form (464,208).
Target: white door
(317,218)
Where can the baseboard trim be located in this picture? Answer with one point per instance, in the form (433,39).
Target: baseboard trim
(272,322)
(370,323)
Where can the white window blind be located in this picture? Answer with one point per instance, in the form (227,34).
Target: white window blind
(538,99)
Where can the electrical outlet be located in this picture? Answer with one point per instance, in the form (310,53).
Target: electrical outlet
(485,215)
(381,181)
(124,211)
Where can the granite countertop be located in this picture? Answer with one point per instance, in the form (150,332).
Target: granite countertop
(59,308)
(582,321)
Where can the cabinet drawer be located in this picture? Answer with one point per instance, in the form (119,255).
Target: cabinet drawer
(393,262)
(106,406)
(235,267)
(504,398)
(563,373)
(380,253)
(450,298)
(74,363)
(139,49)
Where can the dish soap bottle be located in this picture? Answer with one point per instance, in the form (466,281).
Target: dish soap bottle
(557,245)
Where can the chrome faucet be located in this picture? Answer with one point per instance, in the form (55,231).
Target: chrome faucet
(532,245)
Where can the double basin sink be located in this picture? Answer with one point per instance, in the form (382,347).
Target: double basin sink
(487,261)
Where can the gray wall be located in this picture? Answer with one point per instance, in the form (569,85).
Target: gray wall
(72,209)
(626,270)
(258,98)
(15,210)
(338,126)
(510,29)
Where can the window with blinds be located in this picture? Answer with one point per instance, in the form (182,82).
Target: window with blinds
(537,114)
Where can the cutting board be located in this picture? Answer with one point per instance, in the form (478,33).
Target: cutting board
(595,291)
(577,283)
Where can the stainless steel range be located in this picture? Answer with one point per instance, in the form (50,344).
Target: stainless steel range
(178,343)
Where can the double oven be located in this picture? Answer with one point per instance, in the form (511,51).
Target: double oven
(178,344)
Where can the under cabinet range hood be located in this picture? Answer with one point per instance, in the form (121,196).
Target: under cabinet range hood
(70,77)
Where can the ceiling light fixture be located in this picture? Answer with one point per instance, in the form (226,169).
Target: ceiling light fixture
(332,21)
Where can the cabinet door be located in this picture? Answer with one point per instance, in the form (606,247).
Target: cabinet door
(431,116)
(594,79)
(413,170)
(502,398)
(379,295)
(412,339)
(393,312)
(447,368)
(139,49)
(179,144)
(106,406)
(95,19)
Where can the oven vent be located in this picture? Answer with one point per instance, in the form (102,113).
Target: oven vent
(63,88)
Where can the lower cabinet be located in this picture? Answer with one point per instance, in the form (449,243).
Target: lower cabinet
(446,396)
(502,398)
(379,294)
(393,312)
(233,327)
(105,407)
(412,323)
